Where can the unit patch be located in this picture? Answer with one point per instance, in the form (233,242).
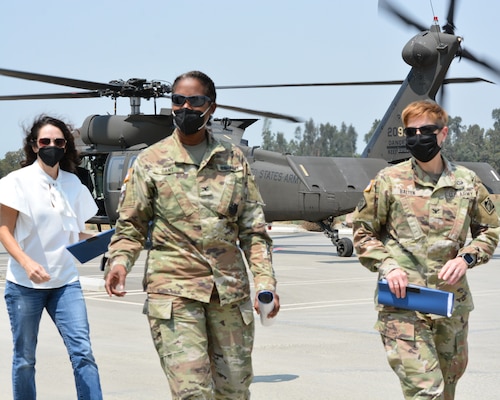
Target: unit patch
(488,205)
(361,203)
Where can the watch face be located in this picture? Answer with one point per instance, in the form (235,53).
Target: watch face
(468,258)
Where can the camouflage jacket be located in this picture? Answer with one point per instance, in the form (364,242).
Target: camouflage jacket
(405,220)
(206,222)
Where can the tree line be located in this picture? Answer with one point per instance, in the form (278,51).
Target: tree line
(11,162)
(464,143)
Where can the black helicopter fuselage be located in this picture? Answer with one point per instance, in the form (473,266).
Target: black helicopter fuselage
(309,188)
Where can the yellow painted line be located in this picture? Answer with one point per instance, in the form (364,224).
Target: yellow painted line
(304,170)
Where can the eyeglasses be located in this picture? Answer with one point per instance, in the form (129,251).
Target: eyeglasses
(59,142)
(424,130)
(195,101)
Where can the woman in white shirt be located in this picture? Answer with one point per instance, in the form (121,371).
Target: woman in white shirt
(43,208)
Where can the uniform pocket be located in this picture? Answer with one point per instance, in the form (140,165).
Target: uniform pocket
(173,201)
(231,198)
(158,308)
(246,310)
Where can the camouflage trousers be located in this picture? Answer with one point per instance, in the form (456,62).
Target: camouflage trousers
(428,355)
(204,348)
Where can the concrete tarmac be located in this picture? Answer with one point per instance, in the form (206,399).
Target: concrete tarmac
(322,345)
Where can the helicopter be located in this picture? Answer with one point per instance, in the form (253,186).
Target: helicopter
(316,189)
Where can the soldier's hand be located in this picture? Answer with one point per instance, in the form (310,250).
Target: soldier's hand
(115,281)
(397,280)
(453,270)
(276,308)
(274,311)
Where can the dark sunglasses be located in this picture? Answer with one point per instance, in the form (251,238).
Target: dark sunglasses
(59,142)
(195,101)
(424,130)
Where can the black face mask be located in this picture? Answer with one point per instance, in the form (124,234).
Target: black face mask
(423,147)
(51,155)
(189,121)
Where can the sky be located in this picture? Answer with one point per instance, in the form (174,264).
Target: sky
(237,43)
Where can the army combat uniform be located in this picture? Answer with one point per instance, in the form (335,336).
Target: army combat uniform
(407,221)
(206,221)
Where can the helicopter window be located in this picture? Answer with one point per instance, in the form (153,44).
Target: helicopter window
(131,161)
(114,173)
(93,165)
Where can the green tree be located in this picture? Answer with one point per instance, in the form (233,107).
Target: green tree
(454,138)
(464,143)
(273,142)
(325,140)
(493,137)
(281,143)
(370,133)
(267,136)
(309,146)
(346,141)
(11,162)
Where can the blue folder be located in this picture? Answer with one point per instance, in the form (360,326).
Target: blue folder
(90,248)
(418,298)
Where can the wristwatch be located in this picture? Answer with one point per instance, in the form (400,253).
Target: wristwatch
(470,259)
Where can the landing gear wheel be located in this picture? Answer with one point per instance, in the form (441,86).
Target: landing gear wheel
(345,247)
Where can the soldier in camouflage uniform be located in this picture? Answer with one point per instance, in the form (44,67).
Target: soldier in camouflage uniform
(198,198)
(411,226)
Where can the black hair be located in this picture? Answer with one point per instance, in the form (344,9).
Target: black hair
(70,159)
(203,78)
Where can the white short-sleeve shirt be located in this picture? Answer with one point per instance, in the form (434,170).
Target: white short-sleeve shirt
(39,228)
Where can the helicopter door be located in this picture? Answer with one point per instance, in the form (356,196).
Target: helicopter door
(115,171)
(312,202)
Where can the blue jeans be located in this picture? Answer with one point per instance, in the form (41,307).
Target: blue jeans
(66,307)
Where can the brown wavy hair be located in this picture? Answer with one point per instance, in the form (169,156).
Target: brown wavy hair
(71,157)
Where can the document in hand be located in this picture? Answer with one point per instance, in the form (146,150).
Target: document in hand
(90,248)
(418,298)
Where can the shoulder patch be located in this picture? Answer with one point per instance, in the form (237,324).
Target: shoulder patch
(488,205)
(361,203)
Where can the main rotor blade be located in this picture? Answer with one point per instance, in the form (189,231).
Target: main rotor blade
(76,83)
(367,83)
(385,5)
(47,96)
(450,23)
(466,80)
(469,56)
(94,94)
(261,113)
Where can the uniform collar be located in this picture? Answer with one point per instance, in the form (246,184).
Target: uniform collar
(447,176)
(213,146)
